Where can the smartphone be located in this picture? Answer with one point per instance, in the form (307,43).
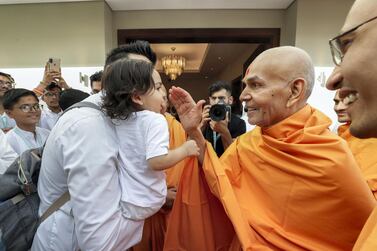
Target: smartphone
(54,64)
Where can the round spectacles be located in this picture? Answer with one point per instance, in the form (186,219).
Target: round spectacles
(7,84)
(29,107)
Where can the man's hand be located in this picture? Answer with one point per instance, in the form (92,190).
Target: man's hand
(189,113)
(205,117)
(220,126)
(170,197)
(191,148)
(50,76)
(61,82)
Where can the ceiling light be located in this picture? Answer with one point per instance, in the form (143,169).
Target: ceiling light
(173,65)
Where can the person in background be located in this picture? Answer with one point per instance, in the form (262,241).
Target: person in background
(23,106)
(95,82)
(70,97)
(52,110)
(48,78)
(363,149)
(6,83)
(7,154)
(221,133)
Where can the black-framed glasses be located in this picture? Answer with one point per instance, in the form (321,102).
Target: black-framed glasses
(338,46)
(7,84)
(29,107)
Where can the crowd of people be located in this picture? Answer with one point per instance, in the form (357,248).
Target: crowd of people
(139,179)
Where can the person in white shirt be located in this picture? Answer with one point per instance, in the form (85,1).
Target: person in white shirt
(7,155)
(52,110)
(80,156)
(23,106)
(6,83)
(143,136)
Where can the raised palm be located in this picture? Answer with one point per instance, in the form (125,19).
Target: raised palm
(190,113)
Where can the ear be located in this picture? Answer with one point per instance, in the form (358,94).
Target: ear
(297,89)
(136,98)
(9,113)
(230,100)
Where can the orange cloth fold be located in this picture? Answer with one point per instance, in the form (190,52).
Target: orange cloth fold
(293,186)
(197,220)
(155,226)
(365,153)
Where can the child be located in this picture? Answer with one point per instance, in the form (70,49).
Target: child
(143,135)
(23,106)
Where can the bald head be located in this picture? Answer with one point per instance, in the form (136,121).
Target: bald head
(361,11)
(286,63)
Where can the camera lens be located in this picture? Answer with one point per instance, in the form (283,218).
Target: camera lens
(218,112)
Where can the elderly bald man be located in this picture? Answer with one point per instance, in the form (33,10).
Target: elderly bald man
(290,184)
(355,57)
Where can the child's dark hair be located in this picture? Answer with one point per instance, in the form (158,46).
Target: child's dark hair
(122,79)
(12,96)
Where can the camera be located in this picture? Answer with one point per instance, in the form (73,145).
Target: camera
(218,111)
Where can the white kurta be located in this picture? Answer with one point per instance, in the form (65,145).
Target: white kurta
(82,152)
(48,118)
(21,140)
(7,154)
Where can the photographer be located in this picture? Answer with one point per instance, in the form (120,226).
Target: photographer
(219,125)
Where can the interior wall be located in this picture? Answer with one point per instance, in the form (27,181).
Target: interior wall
(288,33)
(317,22)
(110,42)
(235,69)
(31,33)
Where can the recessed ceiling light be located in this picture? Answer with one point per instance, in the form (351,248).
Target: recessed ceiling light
(219,58)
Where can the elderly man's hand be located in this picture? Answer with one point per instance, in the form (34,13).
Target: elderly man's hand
(189,113)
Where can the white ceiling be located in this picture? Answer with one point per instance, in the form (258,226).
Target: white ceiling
(176,4)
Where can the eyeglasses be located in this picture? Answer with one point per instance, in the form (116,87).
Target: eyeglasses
(29,107)
(7,84)
(50,94)
(338,45)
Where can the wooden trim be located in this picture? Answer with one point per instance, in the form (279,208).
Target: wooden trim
(270,37)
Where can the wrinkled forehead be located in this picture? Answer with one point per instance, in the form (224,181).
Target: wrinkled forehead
(361,11)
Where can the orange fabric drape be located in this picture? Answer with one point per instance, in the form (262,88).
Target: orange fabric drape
(198,220)
(155,226)
(365,153)
(293,186)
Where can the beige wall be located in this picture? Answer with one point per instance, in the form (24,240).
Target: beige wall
(317,22)
(288,33)
(110,41)
(150,19)
(31,33)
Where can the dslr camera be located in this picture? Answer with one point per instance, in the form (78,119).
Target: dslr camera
(218,111)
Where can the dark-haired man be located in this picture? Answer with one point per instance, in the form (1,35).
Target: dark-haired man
(6,83)
(52,110)
(74,162)
(95,82)
(221,133)
(23,106)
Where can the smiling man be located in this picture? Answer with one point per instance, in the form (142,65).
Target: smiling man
(355,57)
(290,184)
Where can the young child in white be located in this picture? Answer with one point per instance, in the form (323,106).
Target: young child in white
(143,138)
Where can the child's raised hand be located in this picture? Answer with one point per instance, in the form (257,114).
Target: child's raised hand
(191,148)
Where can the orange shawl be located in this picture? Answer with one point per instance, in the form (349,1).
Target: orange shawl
(293,186)
(155,226)
(365,153)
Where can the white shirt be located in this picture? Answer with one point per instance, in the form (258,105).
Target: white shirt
(7,155)
(142,136)
(48,118)
(21,140)
(6,121)
(81,151)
